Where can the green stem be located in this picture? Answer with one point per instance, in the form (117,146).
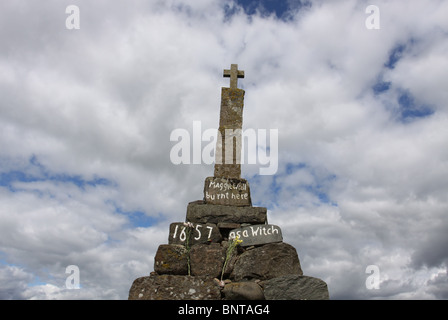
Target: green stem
(232,246)
(187,246)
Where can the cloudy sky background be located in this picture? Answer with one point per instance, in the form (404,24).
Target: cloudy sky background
(86,117)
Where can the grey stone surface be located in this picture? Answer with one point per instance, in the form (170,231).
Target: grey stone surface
(231,112)
(199,233)
(247,290)
(295,287)
(199,212)
(267,262)
(172,287)
(229,192)
(228,143)
(207,260)
(171,259)
(257,234)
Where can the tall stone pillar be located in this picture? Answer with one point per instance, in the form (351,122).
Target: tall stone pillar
(226,186)
(228,144)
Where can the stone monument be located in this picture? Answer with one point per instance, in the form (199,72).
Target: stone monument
(225,249)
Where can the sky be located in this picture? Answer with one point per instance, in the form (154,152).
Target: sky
(88,105)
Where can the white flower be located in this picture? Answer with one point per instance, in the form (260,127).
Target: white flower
(188,224)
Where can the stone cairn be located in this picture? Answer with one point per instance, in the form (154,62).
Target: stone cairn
(205,258)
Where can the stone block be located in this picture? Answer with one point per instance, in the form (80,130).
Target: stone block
(267,262)
(247,290)
(200,212)
(172,287)
(207,260)
(295,287)
(228,192)
(228,144)
(171,259)
(228,225)
(199,233)
(257,234)
(232,104)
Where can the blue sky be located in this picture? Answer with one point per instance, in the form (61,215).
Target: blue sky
(35,172)
(86,116)
(268,6)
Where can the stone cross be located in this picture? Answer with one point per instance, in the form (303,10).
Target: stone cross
(233,74)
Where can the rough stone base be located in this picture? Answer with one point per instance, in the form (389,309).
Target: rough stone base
(295,287)
(199,212)
(267,262)
(207,260)
(171,259)
(243,291)
(169,287)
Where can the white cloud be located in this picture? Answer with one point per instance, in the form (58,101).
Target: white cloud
(356,185)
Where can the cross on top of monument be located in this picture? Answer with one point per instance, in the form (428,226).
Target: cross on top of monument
(233,74)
